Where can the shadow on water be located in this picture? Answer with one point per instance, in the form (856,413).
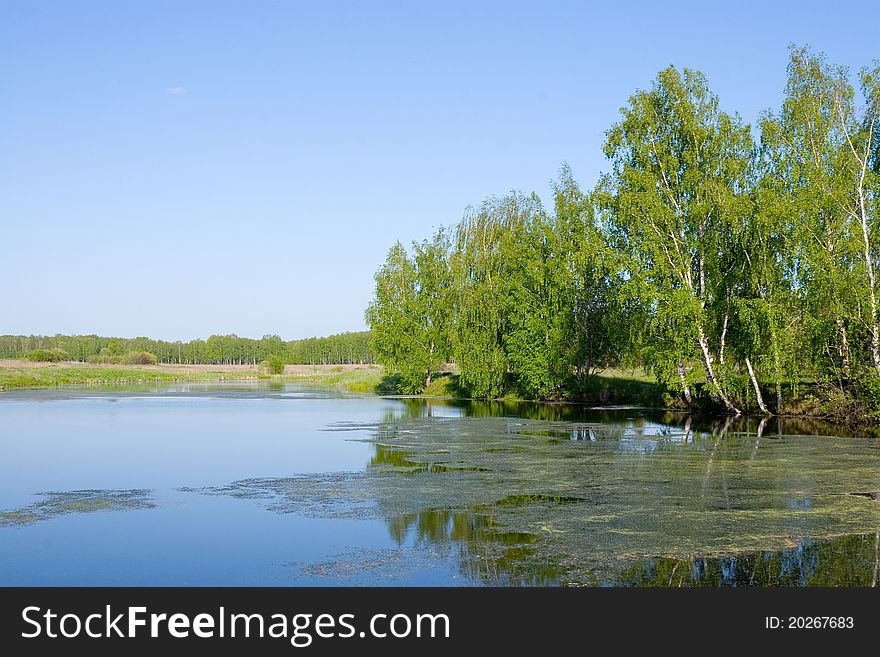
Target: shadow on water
(415,407)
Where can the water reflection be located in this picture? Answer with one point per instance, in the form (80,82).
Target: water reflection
(672,421)
(841,561)
(430,491)
(492,555)
(606,498)
(650,499)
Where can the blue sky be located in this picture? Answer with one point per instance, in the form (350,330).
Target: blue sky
(176,169)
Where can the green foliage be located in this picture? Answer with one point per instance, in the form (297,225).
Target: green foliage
(410,315)
(520,300)
(731,270)
(139,358)
(344,348)
(566,321)
(677,188)
(275,364)
(485,264)
(46,355)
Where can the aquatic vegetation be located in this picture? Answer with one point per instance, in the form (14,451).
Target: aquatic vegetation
(516,508)
(325,495)
(55,504)
(367,566)
(838,561)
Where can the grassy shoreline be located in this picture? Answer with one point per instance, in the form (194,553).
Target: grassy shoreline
(613,387)
(23,374)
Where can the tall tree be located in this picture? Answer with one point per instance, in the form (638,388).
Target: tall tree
(597,319)
(678,164)
(410,315)
(486,257)
(822,153)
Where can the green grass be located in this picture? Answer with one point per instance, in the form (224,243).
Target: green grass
(53,376)
(627,374)
(628,386)
(364,380)
(443,385)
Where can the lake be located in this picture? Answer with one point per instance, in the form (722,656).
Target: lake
(262,484)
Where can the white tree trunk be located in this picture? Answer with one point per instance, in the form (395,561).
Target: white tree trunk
(757,388)
(869,266)
(843,347)
(863,216)
(685,389)
(430,357)
(710,372)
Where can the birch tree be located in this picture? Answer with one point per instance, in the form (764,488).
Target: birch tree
(677,165)
(822,153)
(411,313)
(862,138)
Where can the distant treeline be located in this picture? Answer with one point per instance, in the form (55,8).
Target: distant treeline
(729,260)
(352,347)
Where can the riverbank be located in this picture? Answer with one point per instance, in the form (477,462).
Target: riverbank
(24,374)
(612,387)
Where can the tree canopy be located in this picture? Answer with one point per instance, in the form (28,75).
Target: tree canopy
(727,259)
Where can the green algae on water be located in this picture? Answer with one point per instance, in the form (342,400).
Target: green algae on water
(688,503)
(55,504)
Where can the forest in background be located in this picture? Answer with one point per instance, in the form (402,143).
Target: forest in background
(343,348)
(737,264)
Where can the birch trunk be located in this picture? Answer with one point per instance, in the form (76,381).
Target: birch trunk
(710,372)
(875,329)
(428,372)
(686,391)
(757,388)
(843,348)
(863,216)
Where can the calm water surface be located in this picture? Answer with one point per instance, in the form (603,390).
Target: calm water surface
(254,484)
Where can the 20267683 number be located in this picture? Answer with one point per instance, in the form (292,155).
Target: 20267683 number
(809,623)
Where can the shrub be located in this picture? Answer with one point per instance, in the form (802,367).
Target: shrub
(140,358)
(275,365)
(46,355)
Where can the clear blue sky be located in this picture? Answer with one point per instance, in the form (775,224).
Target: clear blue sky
(176,169)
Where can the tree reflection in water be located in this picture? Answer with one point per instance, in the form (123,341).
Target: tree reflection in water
(716,496)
